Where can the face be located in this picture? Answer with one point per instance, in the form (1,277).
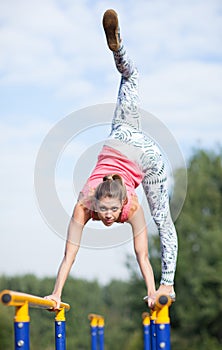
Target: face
(108,210)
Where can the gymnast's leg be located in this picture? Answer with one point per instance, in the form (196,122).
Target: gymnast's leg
(127,109)
(156,190)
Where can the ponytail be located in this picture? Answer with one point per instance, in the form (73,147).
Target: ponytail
(112,187)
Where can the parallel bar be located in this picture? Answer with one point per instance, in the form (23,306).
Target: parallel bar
(163,323)
(96,328)
(12,298)
(159,325)
(22,302)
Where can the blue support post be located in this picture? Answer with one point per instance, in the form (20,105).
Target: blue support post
(60,330)
(60,335)
(21,331)
(163,336)
(153,330)
(21,327)
(101,333)
(163,324)
(97,331)
(146,331)
(93,337)
(93,330)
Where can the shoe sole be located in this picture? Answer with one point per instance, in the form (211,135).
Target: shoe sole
(110,25)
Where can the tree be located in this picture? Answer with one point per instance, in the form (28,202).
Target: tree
(199,270)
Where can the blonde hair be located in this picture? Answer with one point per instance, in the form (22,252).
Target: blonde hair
(112,187)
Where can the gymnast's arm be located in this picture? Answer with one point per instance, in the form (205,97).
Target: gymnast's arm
(80,217)
(140,236)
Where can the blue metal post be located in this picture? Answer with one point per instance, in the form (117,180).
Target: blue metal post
(153,330)
(21,328)
(60,330)
(60,335)
(21,331)
(93,337)
(101,333)
(146,331)
(163,324)
(163,336)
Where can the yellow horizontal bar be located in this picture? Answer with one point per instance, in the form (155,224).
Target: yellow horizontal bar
(162,301)
(12,298)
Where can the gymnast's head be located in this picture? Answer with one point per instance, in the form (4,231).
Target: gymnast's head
(109,198)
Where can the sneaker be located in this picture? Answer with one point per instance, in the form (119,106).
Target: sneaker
(111,28)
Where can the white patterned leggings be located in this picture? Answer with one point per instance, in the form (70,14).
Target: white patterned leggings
(126,127)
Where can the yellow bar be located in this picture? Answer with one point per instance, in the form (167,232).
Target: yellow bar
(12,298)
(96,320)
(101,322)
(162,301)
(162,309)
(146,318)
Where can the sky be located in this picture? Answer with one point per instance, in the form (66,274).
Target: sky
(55,62)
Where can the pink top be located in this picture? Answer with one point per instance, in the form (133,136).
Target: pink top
(111,161)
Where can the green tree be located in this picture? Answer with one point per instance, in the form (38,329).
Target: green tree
(199,272)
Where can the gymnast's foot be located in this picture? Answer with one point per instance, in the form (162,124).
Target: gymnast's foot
(111,28)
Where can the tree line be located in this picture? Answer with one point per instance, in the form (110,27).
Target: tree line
(195,317)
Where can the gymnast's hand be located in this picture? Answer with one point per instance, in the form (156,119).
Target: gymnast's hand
(150,300)
(55,298)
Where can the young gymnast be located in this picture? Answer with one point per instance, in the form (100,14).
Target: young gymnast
(128,158)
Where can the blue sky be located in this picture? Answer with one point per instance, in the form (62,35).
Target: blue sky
(54,61)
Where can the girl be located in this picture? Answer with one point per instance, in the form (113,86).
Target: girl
(127,159)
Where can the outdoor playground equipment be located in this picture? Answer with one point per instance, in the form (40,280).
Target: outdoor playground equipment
(22,302)
(156,324)
(97,331)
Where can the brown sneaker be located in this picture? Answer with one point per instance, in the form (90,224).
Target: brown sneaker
(111,28)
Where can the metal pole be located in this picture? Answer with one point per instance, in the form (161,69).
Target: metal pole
(21,327)
(101,324)
(93,330)
(60,330)
(146,331)
(163,323)
(153,330)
